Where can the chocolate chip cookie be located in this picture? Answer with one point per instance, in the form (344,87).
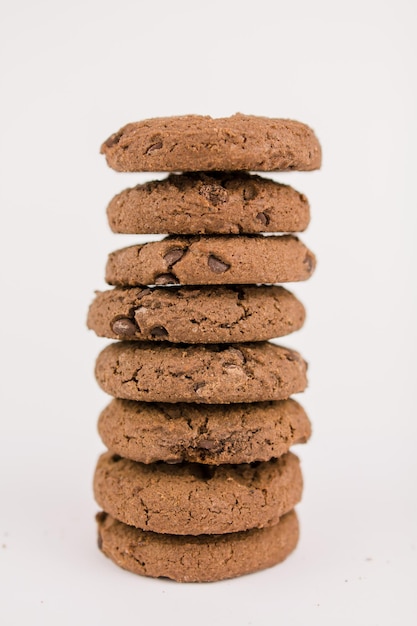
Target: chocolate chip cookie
(196,314)
(202,433)
(212,374)
(192,143)
(204,558)
(207,203)
(194,499)
(212,260)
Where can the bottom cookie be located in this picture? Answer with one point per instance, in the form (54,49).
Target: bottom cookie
(204,558)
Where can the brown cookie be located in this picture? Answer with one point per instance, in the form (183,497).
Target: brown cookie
(203,203)
(205,558)
(212,260)
(212,374)
(193,143)
(215,314)
(202,433)
(193,499)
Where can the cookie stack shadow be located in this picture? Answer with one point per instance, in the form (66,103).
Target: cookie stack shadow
(199,483)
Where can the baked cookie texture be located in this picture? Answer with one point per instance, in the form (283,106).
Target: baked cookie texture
(204,558)
(212,260)
(199,483)
(211,374)
(192,143)
(209,203)
(202,433)
(194,499)
(203,314)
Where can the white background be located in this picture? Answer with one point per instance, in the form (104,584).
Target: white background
(72,74)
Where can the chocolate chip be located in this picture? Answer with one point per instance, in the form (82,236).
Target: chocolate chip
(166,279)
(263,217)
(309,261)
(249,192)
(124,327)
(154,147)
(214,194)
(159,331)
(143,292)
(173,256)
(113,139)
(216,265)
(198,387)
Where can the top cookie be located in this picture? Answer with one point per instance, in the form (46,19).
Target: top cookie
(192,143)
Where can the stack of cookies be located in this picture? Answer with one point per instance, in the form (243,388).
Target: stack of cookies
(198,483)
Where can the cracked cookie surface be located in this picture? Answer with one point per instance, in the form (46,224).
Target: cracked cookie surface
(204,558)
(191,143)
(194,499)
(196,314)
(212,260)
(210,434)
(209,203)
(212,373)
